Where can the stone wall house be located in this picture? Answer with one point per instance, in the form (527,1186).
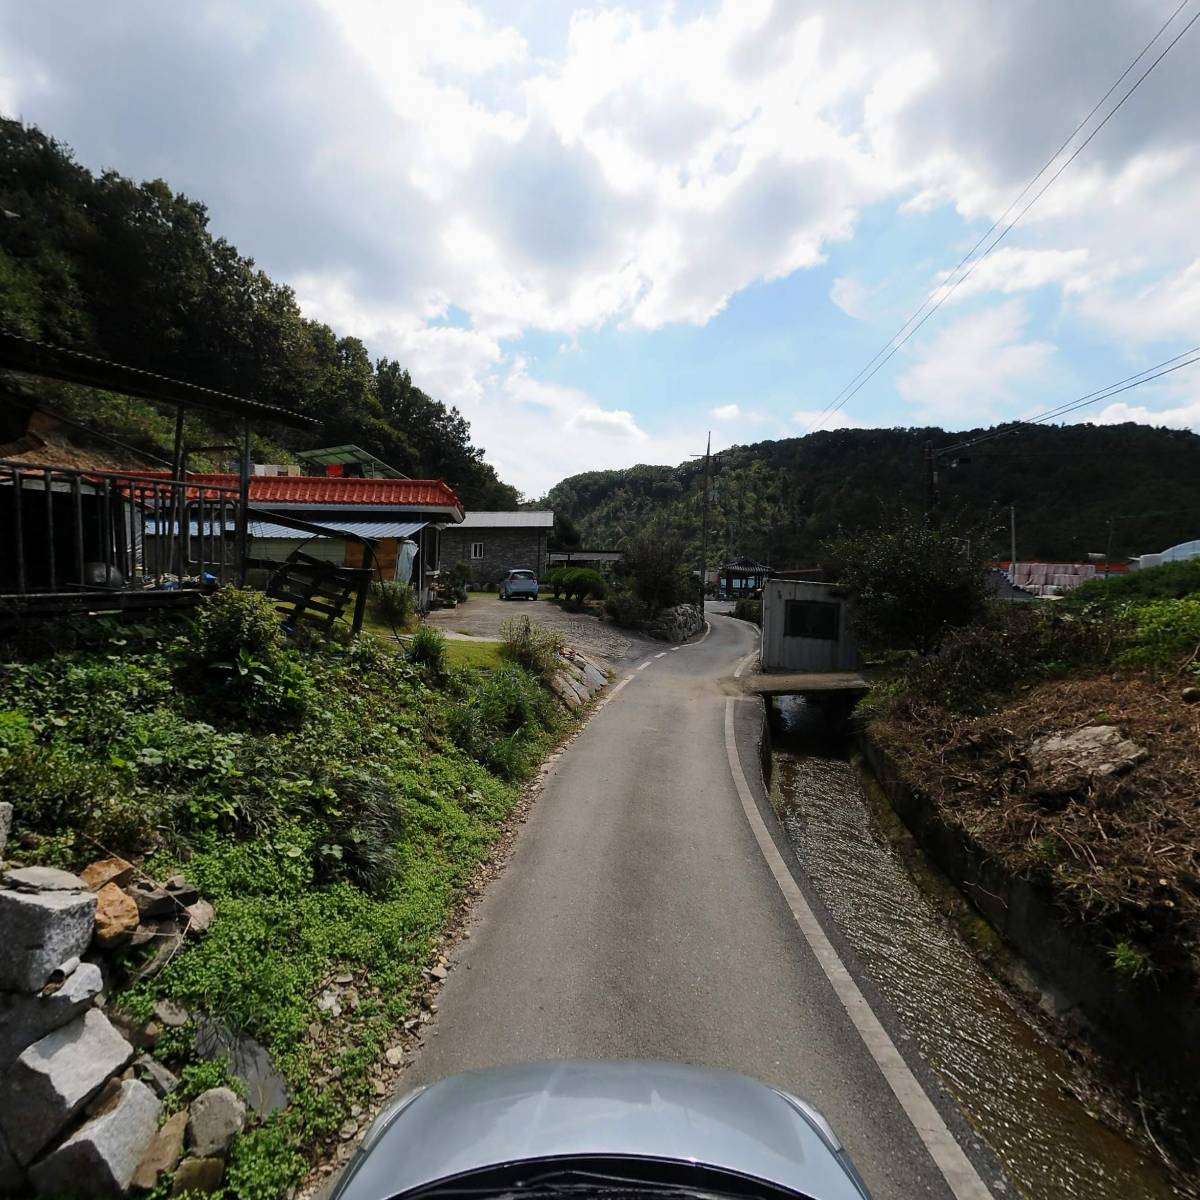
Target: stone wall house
(494,543)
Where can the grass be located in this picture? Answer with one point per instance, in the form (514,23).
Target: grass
(331,802)
(478,654)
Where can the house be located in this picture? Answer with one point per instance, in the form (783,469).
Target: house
(741,577)
(396,523)
(494,543)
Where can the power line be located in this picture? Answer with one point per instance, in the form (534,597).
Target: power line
(884,355)
(1113,389)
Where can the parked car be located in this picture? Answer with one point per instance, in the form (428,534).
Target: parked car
(600,1130)
(519,583)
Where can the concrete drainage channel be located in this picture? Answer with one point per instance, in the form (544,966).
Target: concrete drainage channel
(1024,1096)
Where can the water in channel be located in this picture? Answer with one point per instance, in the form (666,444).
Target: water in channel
(1009,1081)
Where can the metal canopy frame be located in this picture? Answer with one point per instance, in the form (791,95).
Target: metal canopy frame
(31,357)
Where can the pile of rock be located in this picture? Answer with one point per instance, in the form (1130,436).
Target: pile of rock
(79,1114)
(577,678)
(675,624)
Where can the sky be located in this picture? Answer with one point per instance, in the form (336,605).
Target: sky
(602,231)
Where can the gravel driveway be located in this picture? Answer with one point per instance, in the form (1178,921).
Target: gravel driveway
(484,613)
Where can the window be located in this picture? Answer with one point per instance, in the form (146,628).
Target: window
(811,619)
(476,549)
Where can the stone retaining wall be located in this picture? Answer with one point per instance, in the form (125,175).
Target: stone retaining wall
(79,1107)
(675,624)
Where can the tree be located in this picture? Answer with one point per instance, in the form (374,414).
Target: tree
(655,560)
(911,582)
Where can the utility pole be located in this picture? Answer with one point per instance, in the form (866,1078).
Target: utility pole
(1012,533)
(931,496)
(704,531)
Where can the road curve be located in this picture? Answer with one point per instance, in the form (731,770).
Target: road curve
(639,918)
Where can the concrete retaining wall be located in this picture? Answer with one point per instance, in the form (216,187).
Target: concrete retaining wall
(1152,1032)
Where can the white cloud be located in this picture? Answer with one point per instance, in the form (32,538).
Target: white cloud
(399,162)
(975,367)
(725,412)
(1166,308)
(1010,270)
(850,296)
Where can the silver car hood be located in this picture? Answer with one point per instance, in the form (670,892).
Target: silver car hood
(607,1107)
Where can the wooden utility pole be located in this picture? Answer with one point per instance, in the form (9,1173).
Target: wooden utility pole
(931,496)
(704,530)
(1012,545)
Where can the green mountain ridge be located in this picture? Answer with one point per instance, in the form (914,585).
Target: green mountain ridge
(777,501)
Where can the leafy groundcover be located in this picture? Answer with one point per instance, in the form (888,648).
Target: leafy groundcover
(329,800)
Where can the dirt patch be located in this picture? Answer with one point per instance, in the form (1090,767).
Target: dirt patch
(484,615)
(1119,848)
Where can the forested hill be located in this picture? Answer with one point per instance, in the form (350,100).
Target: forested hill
(777,501)
(130,271)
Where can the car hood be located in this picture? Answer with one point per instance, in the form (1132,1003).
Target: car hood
(613,1108)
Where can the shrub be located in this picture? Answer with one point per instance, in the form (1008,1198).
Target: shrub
(531,647)
(363,822)
(235,619)
(1014,645)
(453,582)
(626,610)
(270,691)
(748,610)
(393,602)
(1170,581)
(427,648)
(583,583)
(1160,631)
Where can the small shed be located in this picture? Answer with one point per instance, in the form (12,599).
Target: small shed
(806,627)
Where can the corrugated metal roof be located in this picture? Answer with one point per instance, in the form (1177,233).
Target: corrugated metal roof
(269,529)
(508,520)
(367,529)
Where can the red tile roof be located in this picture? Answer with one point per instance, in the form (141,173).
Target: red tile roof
(335,490)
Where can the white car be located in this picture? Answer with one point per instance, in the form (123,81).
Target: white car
(519,583)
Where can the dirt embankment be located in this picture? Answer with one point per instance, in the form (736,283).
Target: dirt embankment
(1120,848)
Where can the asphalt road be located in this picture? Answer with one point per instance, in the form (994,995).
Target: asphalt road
(638,918)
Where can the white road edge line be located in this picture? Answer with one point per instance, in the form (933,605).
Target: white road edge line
(743,663)
(612,695)
(662,655)
(644,665)
(947,1154)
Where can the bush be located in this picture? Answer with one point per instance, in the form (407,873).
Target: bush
(235,619)
(748,610)
(1160,632)
(583,583)
(427,648)
(1170,581)
(394,603)
(452,584)
(531,647)
(1016,644)
(627,610)
(362,816)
